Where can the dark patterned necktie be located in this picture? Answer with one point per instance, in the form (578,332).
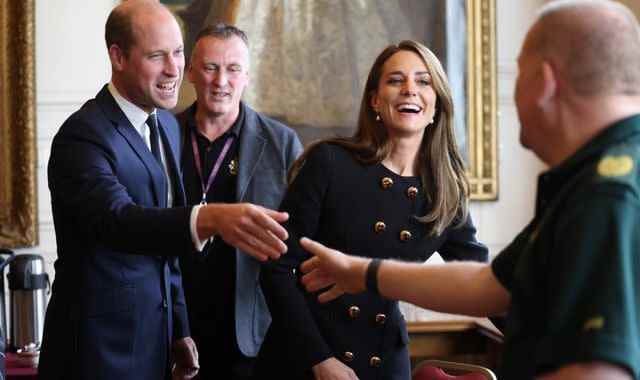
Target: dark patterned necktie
(154,138)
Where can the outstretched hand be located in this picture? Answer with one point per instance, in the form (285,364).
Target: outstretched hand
(333,269)
(253,229)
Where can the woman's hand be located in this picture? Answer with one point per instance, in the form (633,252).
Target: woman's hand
(333,369)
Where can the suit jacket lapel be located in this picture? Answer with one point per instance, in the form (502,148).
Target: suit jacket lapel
(251,149)
(171,150)
(124,127)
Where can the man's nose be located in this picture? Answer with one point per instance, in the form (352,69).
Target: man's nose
(173,66)
(220,77)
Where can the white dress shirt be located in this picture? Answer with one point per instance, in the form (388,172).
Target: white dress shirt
(138,119)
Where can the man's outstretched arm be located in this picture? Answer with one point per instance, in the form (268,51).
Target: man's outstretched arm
(460,288)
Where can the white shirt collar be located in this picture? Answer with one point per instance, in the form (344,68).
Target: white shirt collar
(136,115)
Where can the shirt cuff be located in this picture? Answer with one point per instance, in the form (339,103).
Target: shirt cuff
(197,243)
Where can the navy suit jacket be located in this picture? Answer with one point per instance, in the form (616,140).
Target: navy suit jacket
(117,300)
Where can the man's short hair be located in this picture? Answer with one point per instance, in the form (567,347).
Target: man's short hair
(222,31)
(119,30)
(119,27)
(597,44)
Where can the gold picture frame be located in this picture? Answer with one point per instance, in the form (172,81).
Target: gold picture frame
(18,211)
(481,99)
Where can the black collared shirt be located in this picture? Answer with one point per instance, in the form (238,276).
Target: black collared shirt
(209,284)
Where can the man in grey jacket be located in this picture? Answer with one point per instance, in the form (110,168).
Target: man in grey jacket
(231,154)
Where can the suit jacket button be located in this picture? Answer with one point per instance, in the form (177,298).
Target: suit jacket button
(386,182)
(379,227)
(375,361)
(165,305)
(348,357)
(354,311)
(412,192)
(381,319)
(405,235)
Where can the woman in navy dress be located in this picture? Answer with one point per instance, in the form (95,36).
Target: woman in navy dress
(396,189)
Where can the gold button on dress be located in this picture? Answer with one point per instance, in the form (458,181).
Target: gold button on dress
(375,361)
(412,192)
(354,311)
(405,235)
(348,356)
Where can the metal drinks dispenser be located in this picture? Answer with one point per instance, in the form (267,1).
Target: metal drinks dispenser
(28,284)
(6,256)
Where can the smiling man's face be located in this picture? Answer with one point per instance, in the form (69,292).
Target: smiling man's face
(219,71)
(151,71)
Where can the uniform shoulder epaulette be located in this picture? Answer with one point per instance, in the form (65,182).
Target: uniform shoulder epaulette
(619,164)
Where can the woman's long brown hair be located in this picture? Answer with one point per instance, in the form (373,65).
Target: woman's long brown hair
(440,165)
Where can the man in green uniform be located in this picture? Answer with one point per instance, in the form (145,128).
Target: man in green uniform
(570,282)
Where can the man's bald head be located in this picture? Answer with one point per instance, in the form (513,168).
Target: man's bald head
(120,26)
(594,44)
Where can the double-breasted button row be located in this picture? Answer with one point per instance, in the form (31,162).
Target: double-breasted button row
(374,361)
(354,312)
(380,226)
(387,183)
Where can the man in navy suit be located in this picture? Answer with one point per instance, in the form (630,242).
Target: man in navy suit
(231,154)
(117,308)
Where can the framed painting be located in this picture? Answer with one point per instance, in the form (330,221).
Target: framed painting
(18,218)
(310,59)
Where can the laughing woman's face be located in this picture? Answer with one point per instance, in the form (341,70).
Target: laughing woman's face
(405,98)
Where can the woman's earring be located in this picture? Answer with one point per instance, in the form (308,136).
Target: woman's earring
(377,117)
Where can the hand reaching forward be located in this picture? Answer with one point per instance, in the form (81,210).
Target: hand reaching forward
(251,228)
(333,369)
(185,357)
(331,268)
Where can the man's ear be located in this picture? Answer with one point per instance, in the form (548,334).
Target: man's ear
(189,72)
(117,57)
(549,84)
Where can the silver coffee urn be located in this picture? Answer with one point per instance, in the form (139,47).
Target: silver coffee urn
(28,285)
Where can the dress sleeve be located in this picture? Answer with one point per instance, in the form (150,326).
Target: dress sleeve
(461,244)
(292,318)
(592,287)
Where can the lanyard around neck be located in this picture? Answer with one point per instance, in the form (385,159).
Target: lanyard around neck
(216,167)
